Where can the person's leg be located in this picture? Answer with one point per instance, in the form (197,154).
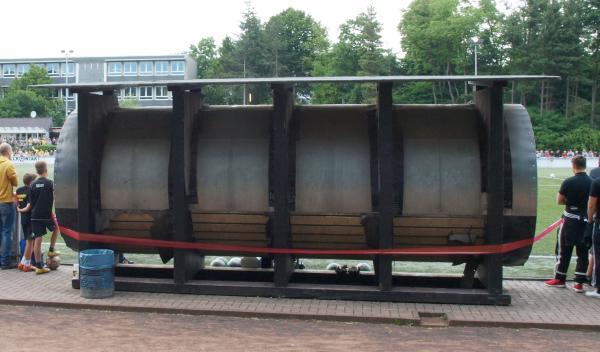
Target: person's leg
(590,269)
(52,252)
(2,241)
(596,252)
(582,263)
(7,216)
(37,251)
(564,256)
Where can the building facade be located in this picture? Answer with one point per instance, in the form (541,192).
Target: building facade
(108,69)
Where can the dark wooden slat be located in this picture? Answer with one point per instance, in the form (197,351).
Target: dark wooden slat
(400,241)
(334,230)
(436,231)
(214,227)
(236,242)
(477,222)
(230,236)
(333,240)
(223,218)
(341,220)
(127,225)
(132,217)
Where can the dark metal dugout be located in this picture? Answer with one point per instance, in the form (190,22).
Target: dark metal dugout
(305,176)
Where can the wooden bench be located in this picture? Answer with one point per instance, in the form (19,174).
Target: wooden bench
(236,229)
(311,231)
(131,225)
(438,231)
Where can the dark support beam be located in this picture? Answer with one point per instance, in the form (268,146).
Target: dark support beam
(186,263)
(489,105)
(93,116)
(385,156)
(283,102)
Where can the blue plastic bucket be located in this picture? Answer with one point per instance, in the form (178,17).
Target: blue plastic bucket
(96,273)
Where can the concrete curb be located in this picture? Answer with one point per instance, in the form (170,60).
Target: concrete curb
(220,313)
(295,316)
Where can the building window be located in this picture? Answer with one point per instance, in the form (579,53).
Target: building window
(130,68)
(69,69)
(115,69)
(146,68)
(177,67)
(8,70)
(130,93)
(22,69)
(161,92)
(161,67)
(145,93)
(70,97)
(54,93)
(53,69)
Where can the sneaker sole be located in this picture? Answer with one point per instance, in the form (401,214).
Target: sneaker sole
(557,286)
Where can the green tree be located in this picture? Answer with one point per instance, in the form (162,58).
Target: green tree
(294,40)
(358,52)
(591,29)
(21,99)
(436,37)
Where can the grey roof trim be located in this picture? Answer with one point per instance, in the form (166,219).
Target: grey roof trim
(191,83)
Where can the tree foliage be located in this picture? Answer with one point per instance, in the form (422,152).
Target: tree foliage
(439,37)
(20,100)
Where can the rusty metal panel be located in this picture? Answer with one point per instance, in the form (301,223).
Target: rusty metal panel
(332,160)
(233,159)
(442,168)
(65,166)
(136,161)
(523,162)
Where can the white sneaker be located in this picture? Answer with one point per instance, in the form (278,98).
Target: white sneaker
(593,293)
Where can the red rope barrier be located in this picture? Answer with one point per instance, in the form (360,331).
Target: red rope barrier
(437,250)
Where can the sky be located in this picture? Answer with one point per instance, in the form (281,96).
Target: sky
(42,28)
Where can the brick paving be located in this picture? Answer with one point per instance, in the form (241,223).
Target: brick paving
(533,304)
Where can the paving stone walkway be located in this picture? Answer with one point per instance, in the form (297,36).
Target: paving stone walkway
(533,305)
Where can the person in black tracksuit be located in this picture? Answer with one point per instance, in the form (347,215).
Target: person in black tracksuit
(593,214)
(573,194)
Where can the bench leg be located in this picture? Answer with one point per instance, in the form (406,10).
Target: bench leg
(469,274)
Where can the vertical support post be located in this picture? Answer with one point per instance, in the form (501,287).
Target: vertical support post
(177,180)
(282,115)
(489,105)
(385,156)
(185,104)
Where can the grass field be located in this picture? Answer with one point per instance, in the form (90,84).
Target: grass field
(539,265)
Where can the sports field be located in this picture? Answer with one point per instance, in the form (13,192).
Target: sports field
(539,265)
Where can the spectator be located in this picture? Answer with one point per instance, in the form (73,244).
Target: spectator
(573,194)
(8,180)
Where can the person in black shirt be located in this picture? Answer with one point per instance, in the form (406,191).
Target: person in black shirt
(593,212)
(595,172)
(24,207)
(42,200)
(573,194)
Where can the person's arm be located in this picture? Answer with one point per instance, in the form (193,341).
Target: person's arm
(592,208)
(11,173)
(561,199)
(25,209)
